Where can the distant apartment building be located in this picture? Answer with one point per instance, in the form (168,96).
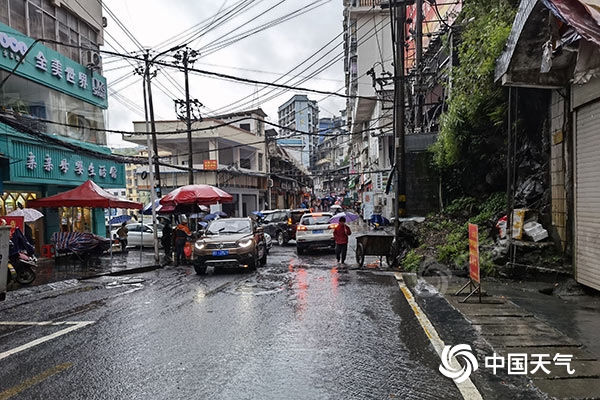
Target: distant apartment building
(299,121)
(331,172)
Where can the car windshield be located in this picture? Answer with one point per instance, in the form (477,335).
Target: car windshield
(224,226)
(316,219)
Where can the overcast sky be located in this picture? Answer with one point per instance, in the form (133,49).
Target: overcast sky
(266,56)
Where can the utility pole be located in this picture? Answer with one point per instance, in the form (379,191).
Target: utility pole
(148,77)
(399,116)
(192,107)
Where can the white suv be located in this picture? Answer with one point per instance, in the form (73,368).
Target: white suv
(315,231)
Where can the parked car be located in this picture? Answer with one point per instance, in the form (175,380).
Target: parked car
(230,243)
(281,224)
(315,231)
(141,234)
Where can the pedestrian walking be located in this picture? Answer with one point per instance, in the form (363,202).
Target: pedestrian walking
(167,239)
(122,235)
(182,234)
(340,235)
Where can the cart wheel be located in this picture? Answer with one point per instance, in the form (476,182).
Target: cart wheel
(360,254)
(389,259)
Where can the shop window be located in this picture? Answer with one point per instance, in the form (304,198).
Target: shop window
(75,219)
(17,15)
(245,163)
(79,127)
(9,201)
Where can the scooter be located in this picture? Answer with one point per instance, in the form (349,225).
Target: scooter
(21,261)
(377,222)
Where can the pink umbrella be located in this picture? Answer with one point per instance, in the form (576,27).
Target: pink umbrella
(196,194)
(350,216)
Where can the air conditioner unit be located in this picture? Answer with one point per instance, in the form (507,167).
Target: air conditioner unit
(91,59)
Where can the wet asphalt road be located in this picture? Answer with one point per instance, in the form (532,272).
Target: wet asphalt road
(296,329)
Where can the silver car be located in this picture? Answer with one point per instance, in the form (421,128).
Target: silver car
(315,231)
(141,234)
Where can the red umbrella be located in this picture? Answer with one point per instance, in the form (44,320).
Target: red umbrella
(196,194)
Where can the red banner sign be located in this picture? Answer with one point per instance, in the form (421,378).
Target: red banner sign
(474,252)
(210,165)
(14,222)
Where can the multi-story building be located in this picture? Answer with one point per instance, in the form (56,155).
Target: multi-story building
(368,59)
(369,72)
(229,151)
(52,102)
(289,182)
(299,115)
(331,170)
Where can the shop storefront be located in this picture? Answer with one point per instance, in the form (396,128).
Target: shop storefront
(52,135)
(37,168)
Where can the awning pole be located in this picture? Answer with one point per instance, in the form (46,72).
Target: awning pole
(110,234)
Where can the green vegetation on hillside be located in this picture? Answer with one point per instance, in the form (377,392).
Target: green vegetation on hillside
(470,150)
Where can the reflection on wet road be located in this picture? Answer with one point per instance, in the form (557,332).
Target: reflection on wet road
(295,329)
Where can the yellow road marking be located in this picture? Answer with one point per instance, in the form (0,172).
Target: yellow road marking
(467,389)
(7,394)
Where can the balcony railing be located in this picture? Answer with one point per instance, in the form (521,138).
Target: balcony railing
(365,3)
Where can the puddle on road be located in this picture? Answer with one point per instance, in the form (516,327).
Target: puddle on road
(134,282)
(266,282)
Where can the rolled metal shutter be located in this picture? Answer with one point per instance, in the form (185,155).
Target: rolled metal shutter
(587,195)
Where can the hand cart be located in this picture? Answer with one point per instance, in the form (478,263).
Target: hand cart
(374,244)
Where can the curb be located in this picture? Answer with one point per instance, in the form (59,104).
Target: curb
(508,328)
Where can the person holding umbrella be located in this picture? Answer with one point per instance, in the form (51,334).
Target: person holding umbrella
(340,236)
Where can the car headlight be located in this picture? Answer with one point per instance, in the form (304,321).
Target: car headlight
(245,243)
(199,245)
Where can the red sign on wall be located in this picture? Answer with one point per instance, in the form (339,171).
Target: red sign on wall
(14,222)
(210,165)
(474,252)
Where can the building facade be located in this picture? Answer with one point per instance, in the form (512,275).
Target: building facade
(566,65)
(369,72)
(299,125)
(331,171)
(52,102)
(229,151)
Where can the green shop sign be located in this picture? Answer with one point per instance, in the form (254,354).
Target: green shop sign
(48,164)
(50,68)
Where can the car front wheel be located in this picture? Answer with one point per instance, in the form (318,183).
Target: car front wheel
(200,269)
(263,260)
